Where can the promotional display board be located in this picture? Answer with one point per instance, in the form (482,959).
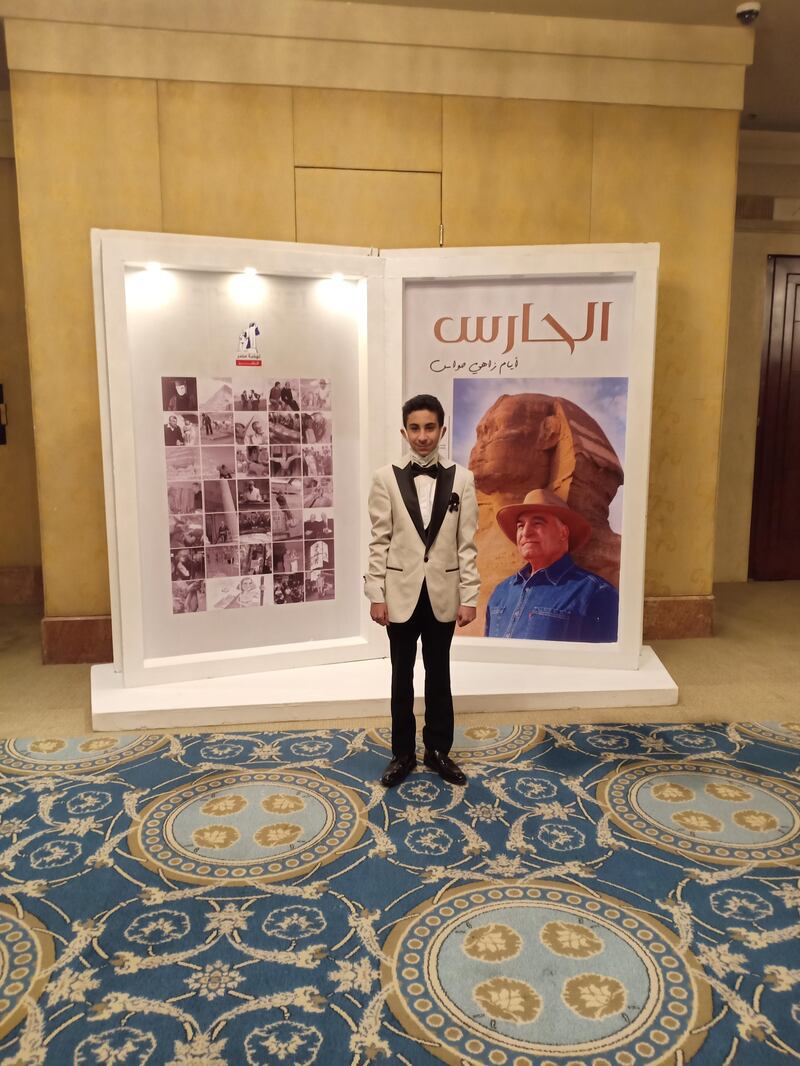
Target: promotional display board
(238,420)
(249,389)
(542,359)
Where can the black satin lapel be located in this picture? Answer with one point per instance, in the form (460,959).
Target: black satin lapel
(444,487)
(405,482)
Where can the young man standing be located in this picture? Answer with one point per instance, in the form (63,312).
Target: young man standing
(421,580)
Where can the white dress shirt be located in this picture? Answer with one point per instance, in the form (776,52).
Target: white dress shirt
(425,486)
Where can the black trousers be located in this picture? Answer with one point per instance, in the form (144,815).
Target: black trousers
(437,734)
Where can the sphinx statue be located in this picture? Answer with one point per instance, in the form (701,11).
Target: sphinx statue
(534,441)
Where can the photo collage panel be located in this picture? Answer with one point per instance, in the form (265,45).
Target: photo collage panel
(249,490)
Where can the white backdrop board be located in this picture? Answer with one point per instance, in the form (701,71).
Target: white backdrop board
(248,390)
(239,429)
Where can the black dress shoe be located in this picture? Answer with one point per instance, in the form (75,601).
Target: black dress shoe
(445,767)
(398,770)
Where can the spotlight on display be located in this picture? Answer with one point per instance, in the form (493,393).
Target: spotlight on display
(149,288)
(247,289)
(338,295)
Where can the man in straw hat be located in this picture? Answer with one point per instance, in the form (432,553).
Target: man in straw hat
(550,598)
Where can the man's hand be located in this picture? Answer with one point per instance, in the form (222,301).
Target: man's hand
(378,613)
(465,616)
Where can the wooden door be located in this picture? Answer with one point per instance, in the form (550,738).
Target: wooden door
(775,523)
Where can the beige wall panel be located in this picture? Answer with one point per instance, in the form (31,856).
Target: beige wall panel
(114,51)
(87,155)
(765,179)
(426,25)
(742,384)
(515,171)
(376,209)
(670,176)
(19,529)
(367,131)
(226,160)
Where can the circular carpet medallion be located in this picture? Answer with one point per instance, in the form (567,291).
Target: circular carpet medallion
(26,950)
(76,754)
(546,975)
(709,812)
(785,733)
(243,825)
(479,741)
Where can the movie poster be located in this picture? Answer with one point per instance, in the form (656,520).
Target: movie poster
(249,463)
(533,374)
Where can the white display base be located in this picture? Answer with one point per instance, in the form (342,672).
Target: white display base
(361,690)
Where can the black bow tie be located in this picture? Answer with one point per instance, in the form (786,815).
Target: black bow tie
(428,471)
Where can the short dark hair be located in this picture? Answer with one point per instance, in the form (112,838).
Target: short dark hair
(423,402)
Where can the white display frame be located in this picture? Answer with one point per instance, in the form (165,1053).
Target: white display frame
(639,262)
(112,253)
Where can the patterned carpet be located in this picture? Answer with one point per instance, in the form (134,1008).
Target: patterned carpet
(596,896)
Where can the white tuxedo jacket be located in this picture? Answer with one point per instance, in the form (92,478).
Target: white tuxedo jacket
(403,554)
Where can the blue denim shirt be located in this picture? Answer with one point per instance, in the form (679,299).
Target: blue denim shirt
(560,602)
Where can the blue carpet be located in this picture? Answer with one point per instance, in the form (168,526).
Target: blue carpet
(596,896)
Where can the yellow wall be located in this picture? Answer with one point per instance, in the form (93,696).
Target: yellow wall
(742,382)
(381,169)
(19,528)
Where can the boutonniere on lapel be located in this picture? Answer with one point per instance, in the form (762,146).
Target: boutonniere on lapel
(453,502)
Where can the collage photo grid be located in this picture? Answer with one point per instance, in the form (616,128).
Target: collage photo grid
(249,464)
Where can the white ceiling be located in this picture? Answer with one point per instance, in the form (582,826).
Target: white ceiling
(772,88)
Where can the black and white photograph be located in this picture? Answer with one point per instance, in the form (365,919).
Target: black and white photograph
(222,593)
(252,461)
(252,494)
(319,555)
(255,526)
(285,460)
(216,427)
(255,591)
(317,492)
(288,588)
(287,508)
(221,528)
(315,394)
(219,463)
(254,430)
(220,496)
(186,531)
(188,597)
(255,557)
(318,523)
(222,560)
(214,394)
(284,427)
(179,394)
(183,464)
(320,586)
(284,395)
(180,431)
(318,460)
(249,391)
(287,557)
(316,427)
(185,497)
(187,564)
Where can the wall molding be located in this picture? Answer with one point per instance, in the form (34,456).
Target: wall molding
(82,639)
(674,617)
(397,24)
(451,57)
(21,584)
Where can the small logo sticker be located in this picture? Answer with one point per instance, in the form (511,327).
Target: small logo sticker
(248,353)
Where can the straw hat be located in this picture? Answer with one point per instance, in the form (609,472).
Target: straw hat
(545,501)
